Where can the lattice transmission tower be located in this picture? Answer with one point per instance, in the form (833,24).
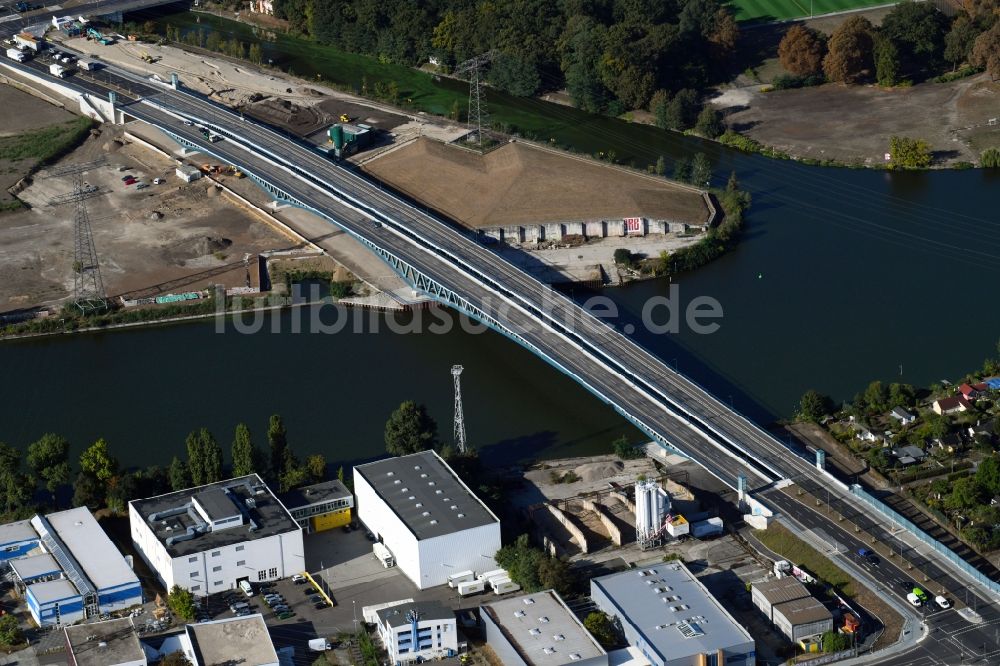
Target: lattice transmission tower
(459,428)
(88,285)
(478,114)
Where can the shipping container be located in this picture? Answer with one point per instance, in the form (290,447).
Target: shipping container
(706,528)
(503,586)
(489,575)
(471,587)
(461,577)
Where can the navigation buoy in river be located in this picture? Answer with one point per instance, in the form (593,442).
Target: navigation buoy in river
(760,276)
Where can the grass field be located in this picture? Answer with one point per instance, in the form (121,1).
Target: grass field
(774,10)
(784,543)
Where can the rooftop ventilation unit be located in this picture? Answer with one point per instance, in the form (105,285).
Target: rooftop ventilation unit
(543,620)
(574,656)
(549,650)
(689,630)
(519,613)
(528,601)
(535,632)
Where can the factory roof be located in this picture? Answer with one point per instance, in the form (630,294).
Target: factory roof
(239,640)
(803,611)
(780,590)
(424,492)
(396,616)
(17,532)
(27,568)
(178,525)
(318,493)
(542,629)
(673,612)
(52,590)
(102,563)
(104,643)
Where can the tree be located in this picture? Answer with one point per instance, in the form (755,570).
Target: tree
(901,395)
(204,457)
(348,482)
(277,442)
(886,61)
(661,166)
(709,123)
(554,574)
(15,487)
(682,111)
(909,153)
(658,107)
(988,475)
(602,628)
(245,455)
(316,467)
(623,256)
(88,491)
(626,451)
(919,28)
(682,169)
(834,641)
(255,54)
(965,493)
(850,51)
(48,458)
(986,51)
(960,39)
(701,170)
(180,476)
(10,631)
(814,406)
(876,396)
(410,429)
(181,602)
(175,659)
(121,491)
(878,458)
(97,460)
(801,51)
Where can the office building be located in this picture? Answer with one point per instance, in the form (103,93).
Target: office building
(321,506)
(417,631)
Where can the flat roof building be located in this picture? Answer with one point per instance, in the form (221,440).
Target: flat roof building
(240,640)
(110,643)
(766,594)
(17,540)
(427,517)
(539,630)
(321,506)
(669,615)
(788,605)
(415,631)
(68,568)
(207,539)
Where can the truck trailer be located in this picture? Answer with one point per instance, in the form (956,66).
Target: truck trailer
(16,54)
(471,587)
(462,577)
(58,70)
(503,585)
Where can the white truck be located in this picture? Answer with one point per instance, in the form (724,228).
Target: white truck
(384,555)
(462,577)
(319,644)
(16,54)
(58,70)
(471,587)
(88,65)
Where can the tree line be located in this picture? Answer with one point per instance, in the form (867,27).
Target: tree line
(37,478)
(611,55)
(914,41)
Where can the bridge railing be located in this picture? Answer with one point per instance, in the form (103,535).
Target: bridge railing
(938,547)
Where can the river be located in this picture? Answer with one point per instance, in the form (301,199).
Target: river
(843,276)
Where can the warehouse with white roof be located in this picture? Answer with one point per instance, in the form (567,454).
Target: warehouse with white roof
(667,613)
(17,540)
(427,517)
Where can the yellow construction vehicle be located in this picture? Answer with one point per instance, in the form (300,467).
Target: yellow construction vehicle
(344,118)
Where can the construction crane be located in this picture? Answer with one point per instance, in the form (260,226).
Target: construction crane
(478,115)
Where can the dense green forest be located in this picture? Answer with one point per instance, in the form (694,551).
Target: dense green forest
(611,55)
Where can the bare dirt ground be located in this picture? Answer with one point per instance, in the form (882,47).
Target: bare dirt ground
(854,123)
(520,184)
(32,114)
(166,238)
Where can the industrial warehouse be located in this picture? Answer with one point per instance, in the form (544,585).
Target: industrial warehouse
(68,569)
(426,517)
(207,539)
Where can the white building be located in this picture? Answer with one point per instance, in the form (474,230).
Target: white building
(423,513)
(418,631)
(539,630)
(67,569)
(207,539)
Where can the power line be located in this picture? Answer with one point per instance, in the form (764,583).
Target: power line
(478,114)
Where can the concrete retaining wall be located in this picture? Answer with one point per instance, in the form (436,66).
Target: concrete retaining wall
(556,231)
(567,522)
(602,514)
(623,498)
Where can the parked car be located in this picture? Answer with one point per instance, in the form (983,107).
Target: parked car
(369,536)
(316,599)
(914,599)
(142,186)
(160,181)
(320,605)
(285,615)
(298,579)
(126,178)
(281,608)
(942,602)
(310,590)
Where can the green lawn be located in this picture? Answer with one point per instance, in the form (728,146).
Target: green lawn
(784,543)
(772,10)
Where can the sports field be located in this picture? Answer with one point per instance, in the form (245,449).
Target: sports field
(774,10)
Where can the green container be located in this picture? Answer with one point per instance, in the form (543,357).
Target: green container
(337,136)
